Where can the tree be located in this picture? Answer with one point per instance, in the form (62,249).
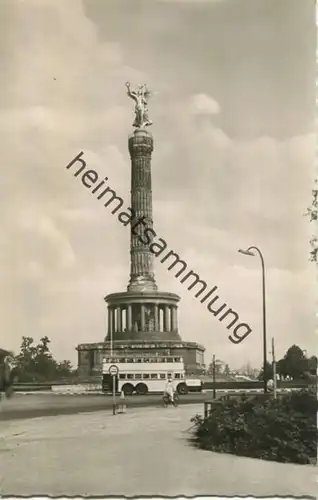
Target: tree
(313,213)
(25,359)
(227,371)
(43,347)
(218,367)
(247,370)
(44,364)
(268,372)
(310,370)
(295,362)
(4,353)
(312,365)
(64,368)
(281,368)
(36,363)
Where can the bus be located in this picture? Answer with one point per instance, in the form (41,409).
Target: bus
(147,375)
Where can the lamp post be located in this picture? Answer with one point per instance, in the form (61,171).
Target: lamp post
(250,252)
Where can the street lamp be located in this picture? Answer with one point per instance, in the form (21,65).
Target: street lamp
(250,252)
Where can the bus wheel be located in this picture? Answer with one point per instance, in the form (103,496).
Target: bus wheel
(128,389)
(182,388)
(141,389)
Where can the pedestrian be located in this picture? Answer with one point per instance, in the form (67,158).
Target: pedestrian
(122,404)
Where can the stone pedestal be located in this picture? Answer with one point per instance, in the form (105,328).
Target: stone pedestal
(90,356)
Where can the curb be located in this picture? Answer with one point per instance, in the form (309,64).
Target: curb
(94,393)
(55,393)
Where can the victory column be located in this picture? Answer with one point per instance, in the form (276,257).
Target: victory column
(141,321)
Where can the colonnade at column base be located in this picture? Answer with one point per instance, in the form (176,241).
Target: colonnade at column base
(142,315)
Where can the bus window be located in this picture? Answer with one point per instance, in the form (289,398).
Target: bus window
(169,375)
(138,360)
(146,360)
(162,375)
(154,376)
(122,376)
(177,375)
(153,360)
(129,360)
(177,360)
(169,360)
(145,375)
(161,360)
(137,376)
(130,376)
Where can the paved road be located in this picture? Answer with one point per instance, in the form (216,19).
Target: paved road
(46,404)
(37,405)
(143,452)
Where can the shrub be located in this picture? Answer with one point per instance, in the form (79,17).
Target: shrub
(284,429)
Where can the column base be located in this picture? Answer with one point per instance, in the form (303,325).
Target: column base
(142,284)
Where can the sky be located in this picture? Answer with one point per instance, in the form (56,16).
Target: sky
(233,86)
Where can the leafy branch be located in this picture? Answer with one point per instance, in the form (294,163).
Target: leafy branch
(312,213)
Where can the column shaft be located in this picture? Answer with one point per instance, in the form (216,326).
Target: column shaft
(174,313)
(141,259)
(110,321)
(119,327)
(142,317)
(113,314)
(156,316)
(171,318)
(166,319)
(129,317)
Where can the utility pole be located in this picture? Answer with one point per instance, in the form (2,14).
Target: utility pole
(274,369)
(213,375)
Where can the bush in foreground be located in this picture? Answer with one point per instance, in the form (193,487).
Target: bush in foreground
(284,430)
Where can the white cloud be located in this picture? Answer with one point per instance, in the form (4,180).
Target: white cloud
(203,104)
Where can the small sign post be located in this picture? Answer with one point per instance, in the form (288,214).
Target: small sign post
(113,371)
(214,377)
(274,369)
